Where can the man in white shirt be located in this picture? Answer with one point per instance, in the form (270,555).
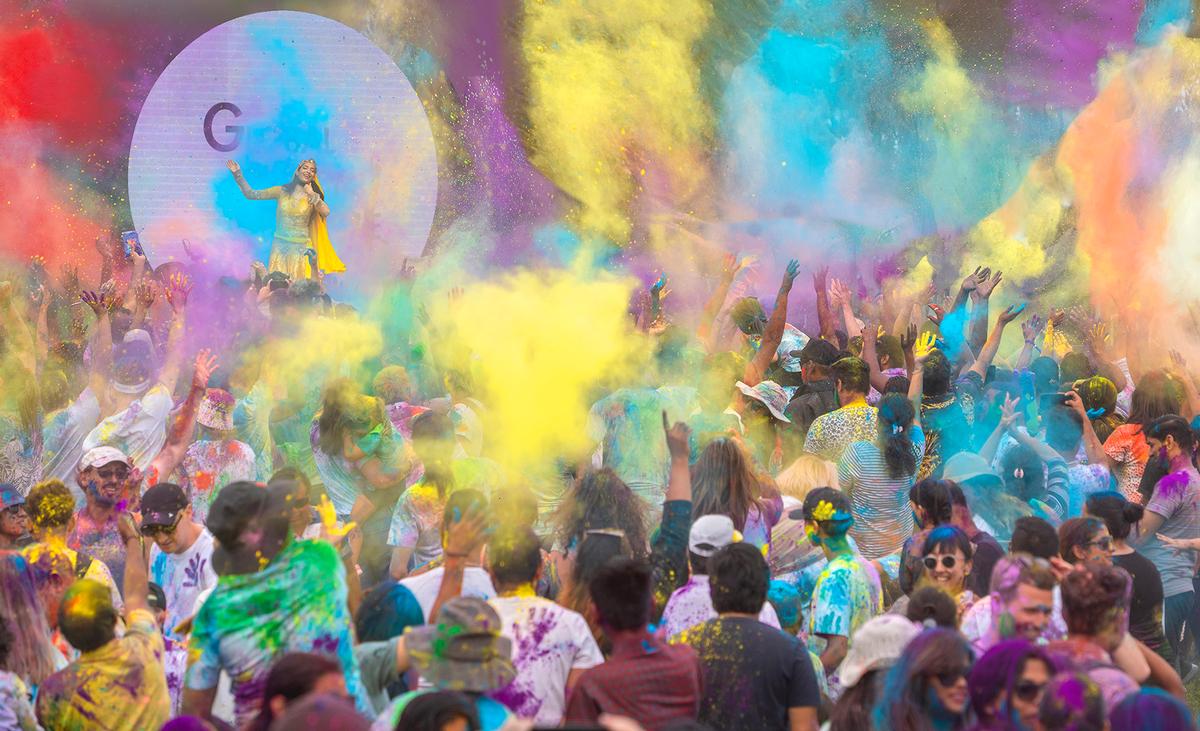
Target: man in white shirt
(691,604)
(180,563)
(476,582)
(551,645)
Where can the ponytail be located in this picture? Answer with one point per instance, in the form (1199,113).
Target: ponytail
(895,416)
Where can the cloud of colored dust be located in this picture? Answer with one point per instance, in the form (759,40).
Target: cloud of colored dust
(614,91)
(546,342)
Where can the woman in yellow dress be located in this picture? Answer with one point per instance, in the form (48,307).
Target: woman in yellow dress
(300,214)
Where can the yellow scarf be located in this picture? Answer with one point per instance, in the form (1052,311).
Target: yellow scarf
(327,259)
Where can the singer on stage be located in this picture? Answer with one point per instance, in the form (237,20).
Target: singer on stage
(300,215)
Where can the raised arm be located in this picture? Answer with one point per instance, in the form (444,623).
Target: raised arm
(979,308)
(871,356)
(840,296)
(255,195)
(1091,442)
(1030,330)
(773,334)
(729,269)
(1008,418)
(137,581)
(921,350)
(988,353)
(180,434)
(825,317)
(177,294)
(464,537)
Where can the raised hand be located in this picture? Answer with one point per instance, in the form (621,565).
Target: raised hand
(206,364)
(924,347)
(1008,412)
(178,289)
(406,273)
(467,531)
(1011,313)
(145,294)
(839,293)
(329,527)
(677,438)
(789,276)
(187,249)
(985,287)
(233,167)
(70,278)
(104,247)
(972,281)
(939,313)
(659,290)
(908,338)
(1032,328)
(1056,318)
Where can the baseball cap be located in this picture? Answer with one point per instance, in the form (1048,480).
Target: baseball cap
(100,456)
(967,466)
(163,503)
(821,352)
(711,533)
(9,496)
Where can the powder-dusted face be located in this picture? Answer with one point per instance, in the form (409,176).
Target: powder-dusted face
(307,171)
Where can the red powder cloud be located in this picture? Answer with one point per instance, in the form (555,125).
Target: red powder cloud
(62,75)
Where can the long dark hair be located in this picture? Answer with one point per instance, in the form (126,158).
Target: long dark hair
(295,181)
(935,498)
(1157,394)
(852,712)
(903,704)
(895,417)
(1117,513)
(597,500)
(293,675)
(343,408)
(724,484)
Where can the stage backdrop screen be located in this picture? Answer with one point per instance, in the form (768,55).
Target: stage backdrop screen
(270,90)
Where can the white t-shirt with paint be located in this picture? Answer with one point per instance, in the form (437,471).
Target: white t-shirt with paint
(425,587)
(691,604)
(548,642)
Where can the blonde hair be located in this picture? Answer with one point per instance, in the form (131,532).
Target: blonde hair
(807,473)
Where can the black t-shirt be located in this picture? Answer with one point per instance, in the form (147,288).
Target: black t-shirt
(1146,604)
(987,552)
(752,674)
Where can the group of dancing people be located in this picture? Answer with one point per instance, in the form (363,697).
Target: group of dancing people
(903,520)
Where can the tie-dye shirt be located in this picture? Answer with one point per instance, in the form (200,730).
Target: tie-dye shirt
(548,642)
(62,439)
(627,425)
(183,577)
(116,687)
(847,594)
(296,604)
(417,517)
(210,465)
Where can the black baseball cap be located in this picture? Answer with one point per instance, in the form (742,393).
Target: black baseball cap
(816,350)
(163,503)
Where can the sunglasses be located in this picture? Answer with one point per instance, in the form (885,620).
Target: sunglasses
(167,530)
(1029,691)
(1104,544)
(13,510)
(948,678)
(119,473)
(948,562)
(300,502)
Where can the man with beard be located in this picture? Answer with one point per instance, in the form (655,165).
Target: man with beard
(1021,604)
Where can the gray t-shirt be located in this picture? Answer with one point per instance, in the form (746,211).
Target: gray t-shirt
(1177,499)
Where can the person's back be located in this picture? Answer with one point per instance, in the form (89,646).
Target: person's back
(210,465)
(755,677)
(751,673)
(644,679)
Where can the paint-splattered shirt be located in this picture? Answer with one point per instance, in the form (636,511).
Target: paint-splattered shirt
(16,710)
(296,604)
(548,642)
(140,431)
(182,576)
(116,687)
(879,502)
(62,439)
(417,517)
(101,541)
(627,425)
(1127,446)
(752,674)
(1176,498)
(832,433)
(208,466)
(691,604)
(847,594)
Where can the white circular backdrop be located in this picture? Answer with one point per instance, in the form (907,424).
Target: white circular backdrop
(269,90)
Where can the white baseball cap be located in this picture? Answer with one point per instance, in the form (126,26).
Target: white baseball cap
(100,456)
(711,533)
(876,644)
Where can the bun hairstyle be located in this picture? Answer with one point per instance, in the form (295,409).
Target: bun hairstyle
(829,509)
(1119,514)
(935,498)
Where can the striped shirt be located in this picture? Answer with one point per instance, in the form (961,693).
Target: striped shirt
(879,502)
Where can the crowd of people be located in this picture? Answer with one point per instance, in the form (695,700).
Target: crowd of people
(884,524)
